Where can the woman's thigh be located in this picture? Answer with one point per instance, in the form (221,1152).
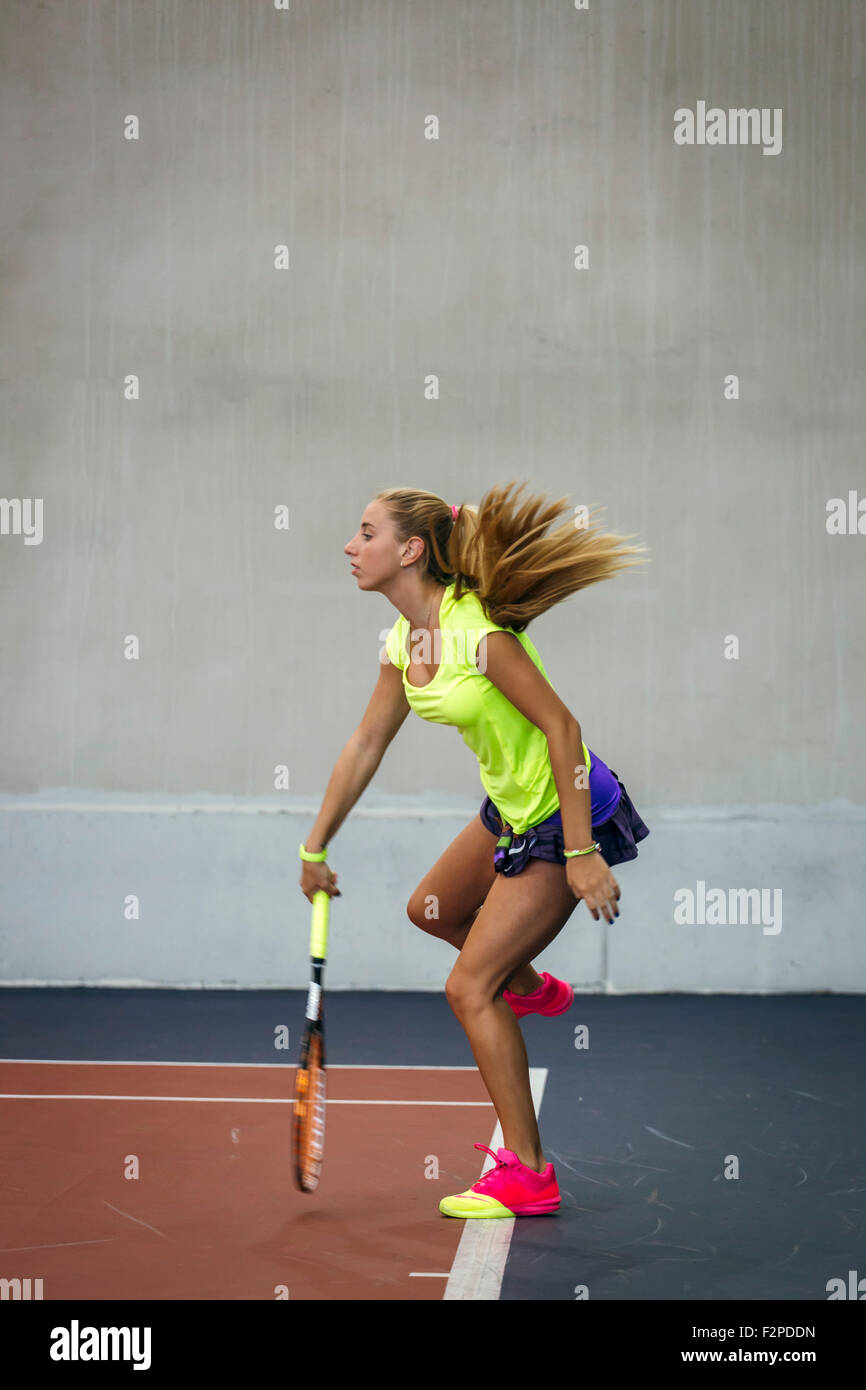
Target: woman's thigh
(458,882)
(520,917)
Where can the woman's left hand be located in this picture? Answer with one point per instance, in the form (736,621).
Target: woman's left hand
(590,878)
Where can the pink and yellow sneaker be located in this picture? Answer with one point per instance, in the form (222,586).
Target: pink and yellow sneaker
(509,1189)
(554,997)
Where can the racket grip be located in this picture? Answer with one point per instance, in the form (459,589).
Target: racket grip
(319,930)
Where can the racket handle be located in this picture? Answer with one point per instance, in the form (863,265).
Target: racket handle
(319,931)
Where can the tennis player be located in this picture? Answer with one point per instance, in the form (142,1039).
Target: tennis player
(466,582)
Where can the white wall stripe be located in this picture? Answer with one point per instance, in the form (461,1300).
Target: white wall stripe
(186,808)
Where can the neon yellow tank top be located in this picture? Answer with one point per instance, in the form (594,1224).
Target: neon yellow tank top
(512,752)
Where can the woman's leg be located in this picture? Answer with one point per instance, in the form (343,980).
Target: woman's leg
(449,898)
(526,980)
(519,917)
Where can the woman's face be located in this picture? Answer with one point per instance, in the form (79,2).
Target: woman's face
(374,550)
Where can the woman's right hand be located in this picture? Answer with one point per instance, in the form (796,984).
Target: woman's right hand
(316,876)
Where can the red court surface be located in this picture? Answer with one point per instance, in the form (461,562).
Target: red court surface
(213,1212)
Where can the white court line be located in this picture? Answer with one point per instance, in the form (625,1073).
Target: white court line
(228,1100)
(479,1264)
(58,1245)
(115,1062)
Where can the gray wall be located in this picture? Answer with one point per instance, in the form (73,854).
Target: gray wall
(304,387)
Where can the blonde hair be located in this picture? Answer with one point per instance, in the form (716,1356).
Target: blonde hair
(499,551)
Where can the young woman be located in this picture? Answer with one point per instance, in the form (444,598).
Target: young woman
(466,582)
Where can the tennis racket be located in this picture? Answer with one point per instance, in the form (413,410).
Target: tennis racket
(308,1121)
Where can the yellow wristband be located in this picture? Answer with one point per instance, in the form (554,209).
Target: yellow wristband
(312,858)
(571,853)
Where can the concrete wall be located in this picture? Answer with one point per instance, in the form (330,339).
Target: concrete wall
(724,682)
(208,895)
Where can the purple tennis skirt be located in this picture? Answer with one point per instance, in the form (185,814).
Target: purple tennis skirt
(618,837)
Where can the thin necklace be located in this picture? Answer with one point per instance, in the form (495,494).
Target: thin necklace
(430,613)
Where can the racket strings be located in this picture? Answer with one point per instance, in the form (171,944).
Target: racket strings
(310,1116)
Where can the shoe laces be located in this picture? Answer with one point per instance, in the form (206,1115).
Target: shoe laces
(500,1163)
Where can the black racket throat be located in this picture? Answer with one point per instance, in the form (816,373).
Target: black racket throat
(315,991)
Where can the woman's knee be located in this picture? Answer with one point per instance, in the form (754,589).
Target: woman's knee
(464,993)
(423,910)
(456,991)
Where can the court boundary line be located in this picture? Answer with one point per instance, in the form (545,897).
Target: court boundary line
(479,1264)
(225,1100)
(119,1062)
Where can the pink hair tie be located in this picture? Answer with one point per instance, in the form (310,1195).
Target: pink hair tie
(454,511)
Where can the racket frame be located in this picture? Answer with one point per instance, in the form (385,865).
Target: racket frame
(309,1110)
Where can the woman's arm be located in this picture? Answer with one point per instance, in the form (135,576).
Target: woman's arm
(363,752)
(572,782)
(513,671)
(353,770)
